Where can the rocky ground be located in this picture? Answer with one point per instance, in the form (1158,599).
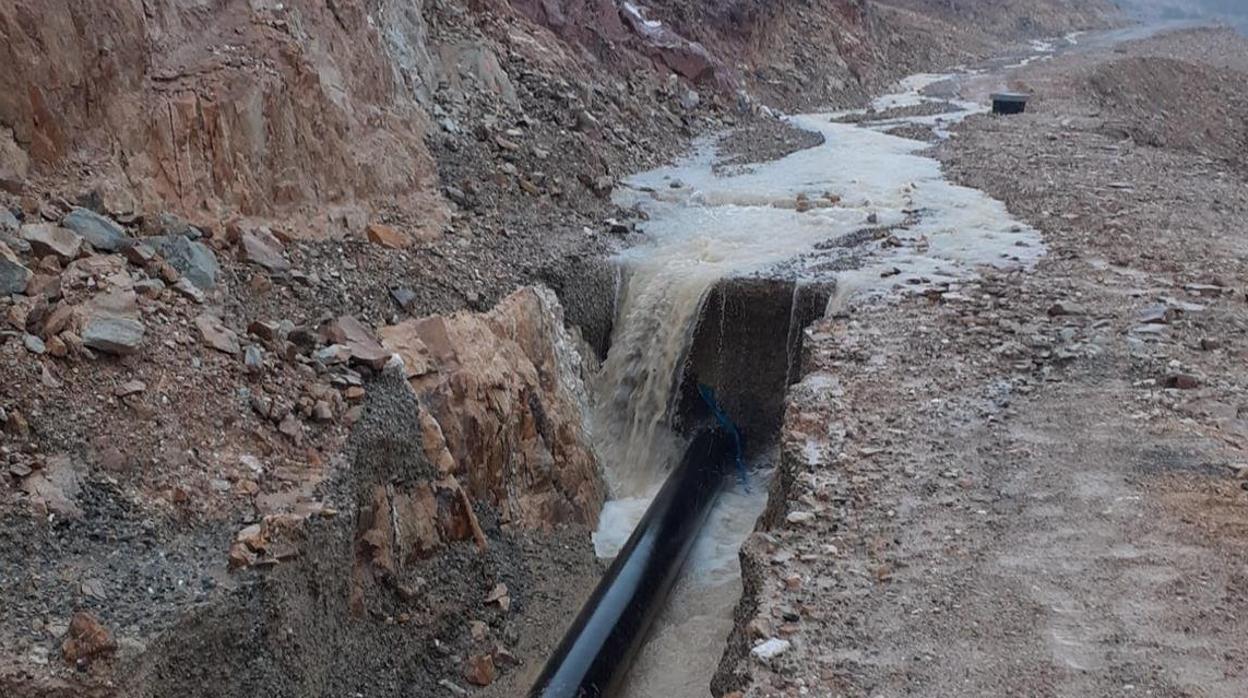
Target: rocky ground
(213,234)
(1035,483)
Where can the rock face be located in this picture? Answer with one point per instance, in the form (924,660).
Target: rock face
(504,391)
(306,111)
(471,444)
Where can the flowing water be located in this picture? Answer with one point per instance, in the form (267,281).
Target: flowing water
(782,219)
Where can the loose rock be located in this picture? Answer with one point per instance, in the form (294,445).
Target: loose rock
(263,248)
(13,275)
(479,670)
(217,335)
(50,239)
(194,260)
(113,335)
(386,236)
(102,233)
(86,640)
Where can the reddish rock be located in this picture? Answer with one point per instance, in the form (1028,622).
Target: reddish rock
(386,236)
(217,335)
(507,373)
(86,640)
(360,345)
(479,670)
(499,596)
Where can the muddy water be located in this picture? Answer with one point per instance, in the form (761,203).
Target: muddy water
(769,220)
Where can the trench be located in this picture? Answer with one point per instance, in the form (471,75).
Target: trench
(732,270)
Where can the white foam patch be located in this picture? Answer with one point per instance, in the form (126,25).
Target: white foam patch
(616,523)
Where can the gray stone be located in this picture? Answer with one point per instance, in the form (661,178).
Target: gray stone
(113,335)
(1159,314)
(253,359)
(170,225)
(102,233)
(48,238)
(1063,308)
(149,288)
(33,344)
(689,100)
(194,259)
(405,297)
(188,289)
(13,275)
(8,221)
(262,248)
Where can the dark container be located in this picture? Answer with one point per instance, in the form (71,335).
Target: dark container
(1009,103)
(600,645)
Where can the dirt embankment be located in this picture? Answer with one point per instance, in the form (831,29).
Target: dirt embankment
(1033,483)
(215,216)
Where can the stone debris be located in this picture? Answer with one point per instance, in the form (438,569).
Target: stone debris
(386,236)
(193,260)
(131,387)
(113,335)
(479,670)
(189,290)
(1159,314)
(13,275)
(216,335)
(800,517)
(451,687)
(34,344)
(253,359)
(357,342)
(101,233)
(768,650)
(51,239)
(498,596)
(262,248)
(86,640)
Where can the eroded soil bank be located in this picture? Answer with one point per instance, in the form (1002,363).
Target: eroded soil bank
(1033,482)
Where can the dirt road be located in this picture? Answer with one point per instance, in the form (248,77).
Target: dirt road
(1034,483)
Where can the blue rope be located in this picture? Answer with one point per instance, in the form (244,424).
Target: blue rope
(708,396)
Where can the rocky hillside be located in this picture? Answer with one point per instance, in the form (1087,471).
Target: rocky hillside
(1232,12)
(219,219)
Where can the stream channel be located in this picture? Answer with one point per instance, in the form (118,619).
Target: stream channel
(865,212)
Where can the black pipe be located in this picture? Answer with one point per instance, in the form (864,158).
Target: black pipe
(596,651)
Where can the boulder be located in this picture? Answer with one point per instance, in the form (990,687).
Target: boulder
(194,260)
(51,239)
(262,248)
(113,335)
(13,274)
(112,323)
(362,347)
(102,233)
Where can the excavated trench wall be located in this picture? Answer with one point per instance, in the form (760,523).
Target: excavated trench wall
(746,346)
(350,611)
